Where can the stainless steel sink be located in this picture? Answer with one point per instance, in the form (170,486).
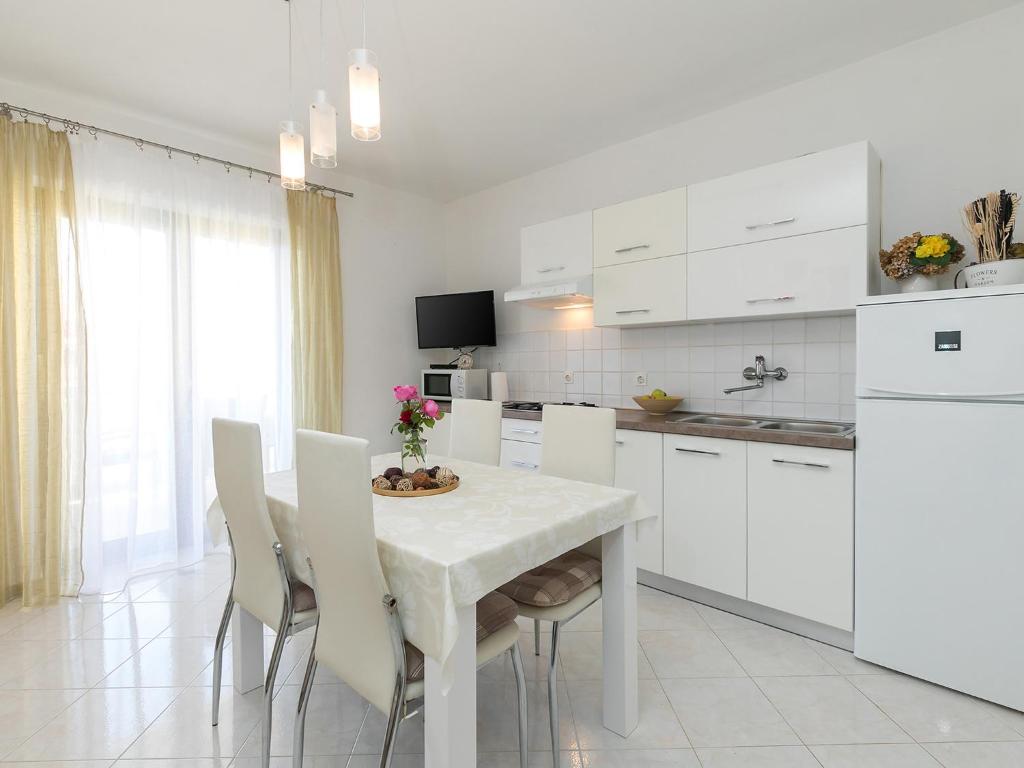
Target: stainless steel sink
(809,427)
(717,421)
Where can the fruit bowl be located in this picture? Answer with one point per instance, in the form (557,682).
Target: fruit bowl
(657,404)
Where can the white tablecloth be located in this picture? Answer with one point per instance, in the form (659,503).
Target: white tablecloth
(447,551)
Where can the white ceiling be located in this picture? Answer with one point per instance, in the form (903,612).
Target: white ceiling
(475,92)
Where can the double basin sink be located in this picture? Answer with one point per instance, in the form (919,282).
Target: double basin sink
(805,427)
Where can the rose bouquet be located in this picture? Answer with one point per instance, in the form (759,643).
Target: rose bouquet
(416,414)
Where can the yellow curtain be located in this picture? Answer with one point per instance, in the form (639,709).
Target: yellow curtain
(42,368)
(317,345)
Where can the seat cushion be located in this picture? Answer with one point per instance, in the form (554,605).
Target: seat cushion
(493,611)
(302,597)
(556,582)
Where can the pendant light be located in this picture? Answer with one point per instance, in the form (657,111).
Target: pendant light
(323,131)
(293,152)
(364,90)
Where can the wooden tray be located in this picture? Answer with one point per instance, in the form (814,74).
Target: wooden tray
(421,492)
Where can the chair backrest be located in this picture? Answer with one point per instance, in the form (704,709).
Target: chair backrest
(336,521)
(238,470)
(579,443)
(476,431)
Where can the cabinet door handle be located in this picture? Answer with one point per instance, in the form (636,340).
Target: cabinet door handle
(633,248)
(523,464)
(632,311)
(545,270)
(803,463)
(775,223)
(698,450)
(522,431)
(620,442)
(770,298)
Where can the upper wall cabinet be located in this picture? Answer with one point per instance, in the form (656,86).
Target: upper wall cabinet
(649,292)
(815,273)
(813,193)
(648,228)
(558,249)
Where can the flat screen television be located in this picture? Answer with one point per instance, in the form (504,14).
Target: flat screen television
(456,320)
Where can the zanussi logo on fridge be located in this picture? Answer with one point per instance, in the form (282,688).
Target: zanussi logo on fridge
(947,341)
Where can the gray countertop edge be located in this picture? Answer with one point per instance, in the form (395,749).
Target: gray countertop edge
(642,421)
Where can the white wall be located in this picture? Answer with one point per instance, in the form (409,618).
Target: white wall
(946,128)
(391,250)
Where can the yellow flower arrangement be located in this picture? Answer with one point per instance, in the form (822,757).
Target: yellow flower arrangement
(932,247)
(928,254)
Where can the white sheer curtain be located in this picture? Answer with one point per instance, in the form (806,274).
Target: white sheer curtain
(185,279)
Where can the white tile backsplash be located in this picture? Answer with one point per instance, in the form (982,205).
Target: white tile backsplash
(696,361)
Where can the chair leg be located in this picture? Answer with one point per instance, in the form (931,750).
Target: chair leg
(268,688)
(300,715)
(218,656)
(553,692)
(517,666)
(394,720)
(536,637)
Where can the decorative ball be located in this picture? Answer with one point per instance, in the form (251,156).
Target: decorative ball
(433,471)
(445,477)
(381,483)
(392,472)
(420,480)
(404,484)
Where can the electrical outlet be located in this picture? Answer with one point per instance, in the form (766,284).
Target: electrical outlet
(567,377)
(640,379)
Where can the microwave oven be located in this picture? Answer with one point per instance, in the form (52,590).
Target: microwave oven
(454,384)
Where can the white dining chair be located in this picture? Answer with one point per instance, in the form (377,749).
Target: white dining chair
(359,633)
(578,444)
(476,431)
(259,577)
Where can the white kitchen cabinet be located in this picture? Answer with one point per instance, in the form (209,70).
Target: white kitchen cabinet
(800,531)
(638,462)
(646,228)
(816,192)
(642,293)
(558,249)
(819,272)
(520,455)
(522,430)
(705,511)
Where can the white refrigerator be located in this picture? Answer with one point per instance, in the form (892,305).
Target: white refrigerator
(939,558)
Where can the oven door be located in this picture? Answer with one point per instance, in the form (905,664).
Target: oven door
(437,385)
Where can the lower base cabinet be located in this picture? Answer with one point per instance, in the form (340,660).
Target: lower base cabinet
(705,509)
(638,468)
(800,531)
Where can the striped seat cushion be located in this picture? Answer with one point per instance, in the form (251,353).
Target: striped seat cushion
(493,611)
(556,582)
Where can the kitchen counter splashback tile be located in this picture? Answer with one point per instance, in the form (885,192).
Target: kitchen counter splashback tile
(695,361)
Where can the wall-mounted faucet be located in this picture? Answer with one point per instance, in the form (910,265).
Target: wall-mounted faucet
(758,373)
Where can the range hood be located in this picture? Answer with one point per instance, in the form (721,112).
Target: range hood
(558,294)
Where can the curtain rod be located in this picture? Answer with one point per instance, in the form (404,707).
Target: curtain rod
(72,127)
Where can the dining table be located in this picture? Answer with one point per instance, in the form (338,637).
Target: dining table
(441,553)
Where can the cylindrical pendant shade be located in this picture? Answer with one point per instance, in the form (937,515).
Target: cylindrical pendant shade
(293,156)
(323,132)
(364,94)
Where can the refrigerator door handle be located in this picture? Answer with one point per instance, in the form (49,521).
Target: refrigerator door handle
(944,395)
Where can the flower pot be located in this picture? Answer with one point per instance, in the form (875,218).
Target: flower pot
(1006,272)
(919,282)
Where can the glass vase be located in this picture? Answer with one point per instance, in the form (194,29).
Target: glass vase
(414,453)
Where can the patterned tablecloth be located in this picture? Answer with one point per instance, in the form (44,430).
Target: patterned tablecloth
(447,551)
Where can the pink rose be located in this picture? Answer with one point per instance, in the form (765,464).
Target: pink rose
(406,392)
(430,408)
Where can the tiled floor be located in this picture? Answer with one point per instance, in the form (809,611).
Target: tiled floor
(128,680)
